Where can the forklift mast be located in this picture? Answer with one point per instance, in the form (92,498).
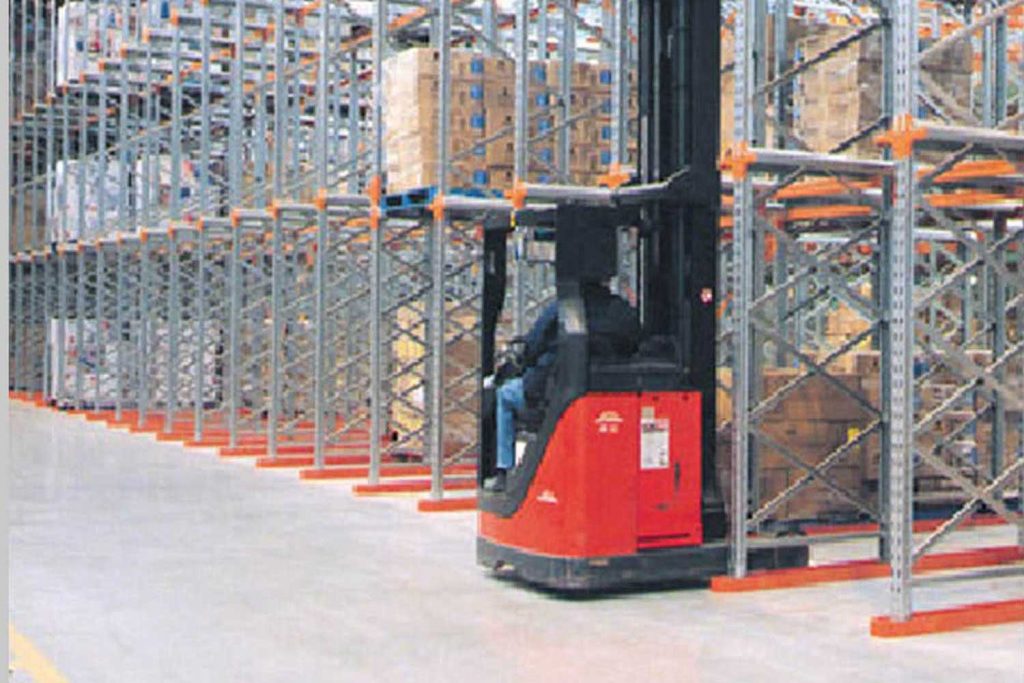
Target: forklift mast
(679,102)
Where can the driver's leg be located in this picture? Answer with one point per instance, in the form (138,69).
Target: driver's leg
(510,400)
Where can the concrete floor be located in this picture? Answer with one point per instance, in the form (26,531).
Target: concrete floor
(138,561)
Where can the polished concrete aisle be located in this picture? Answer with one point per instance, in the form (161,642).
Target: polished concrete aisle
(138,561)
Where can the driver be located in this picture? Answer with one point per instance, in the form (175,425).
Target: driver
(613,328)
(539,353)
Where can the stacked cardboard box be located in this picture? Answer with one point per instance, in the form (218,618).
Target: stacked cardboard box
(973,444)
(842,96)
(796,29)
(834,100)
(411,117)
(482,121)
(818,417)
(842,324)
(811,422)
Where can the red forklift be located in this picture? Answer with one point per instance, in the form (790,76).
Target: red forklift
(616,486)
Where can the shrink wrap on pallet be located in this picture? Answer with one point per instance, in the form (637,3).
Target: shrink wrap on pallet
(67,179)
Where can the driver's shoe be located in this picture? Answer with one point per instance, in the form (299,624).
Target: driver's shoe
(497,482)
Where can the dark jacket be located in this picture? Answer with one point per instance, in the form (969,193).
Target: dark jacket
(612,323)
(613,327)
(540,352)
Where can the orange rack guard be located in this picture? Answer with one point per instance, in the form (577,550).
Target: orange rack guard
(953,619)
(862,569)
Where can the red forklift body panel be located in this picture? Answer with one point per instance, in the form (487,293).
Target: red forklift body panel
(621,473)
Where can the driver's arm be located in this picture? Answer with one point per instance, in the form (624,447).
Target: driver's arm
(540,337)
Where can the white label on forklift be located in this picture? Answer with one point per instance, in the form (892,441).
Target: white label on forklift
(653,441)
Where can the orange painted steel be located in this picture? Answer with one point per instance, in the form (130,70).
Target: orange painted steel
(952,619)
(920,526)
(393,471)
(300,461)
(862,569)
(824,188)
(447,505)
(972,199)
(832,212)
(412,486)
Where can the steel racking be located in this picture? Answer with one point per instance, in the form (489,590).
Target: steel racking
(192,298)
(885,224)
(252,285)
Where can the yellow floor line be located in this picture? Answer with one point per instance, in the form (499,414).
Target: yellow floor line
(26,657)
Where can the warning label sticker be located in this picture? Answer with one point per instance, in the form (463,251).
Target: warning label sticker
(654,433)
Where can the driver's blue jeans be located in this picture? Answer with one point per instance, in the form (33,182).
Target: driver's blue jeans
(510,400)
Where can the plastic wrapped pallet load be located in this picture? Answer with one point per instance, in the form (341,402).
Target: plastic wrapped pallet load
(69,185)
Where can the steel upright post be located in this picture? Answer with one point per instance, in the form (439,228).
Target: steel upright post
(260,140)
(145,287)
(17,318)
(436,319)
(60,392)
(565,85)
(37,321)
(123,143)
(237,272)
(49,281)
(353,122)
(277,329)
(742,273)
(176,88)
(21,352)
(38,56)
(27,283)
(901,407)
(966,299)
(280,101)
(988,68)
(22,232)
(320,369)
(999,339)
(198,369)
(147,176)
(236,130)
(80,327)
(620,83)
(294,98)
(100,296)
(1000,84)
(65,144)
(781,100)
(489,21)
(204,112)
(173,306)
(522,154)
(21,316)
(83,131)
(277,261)
(882,293)
(101,150)
(380,37)
(543,30)
(51,99)
(120,335)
